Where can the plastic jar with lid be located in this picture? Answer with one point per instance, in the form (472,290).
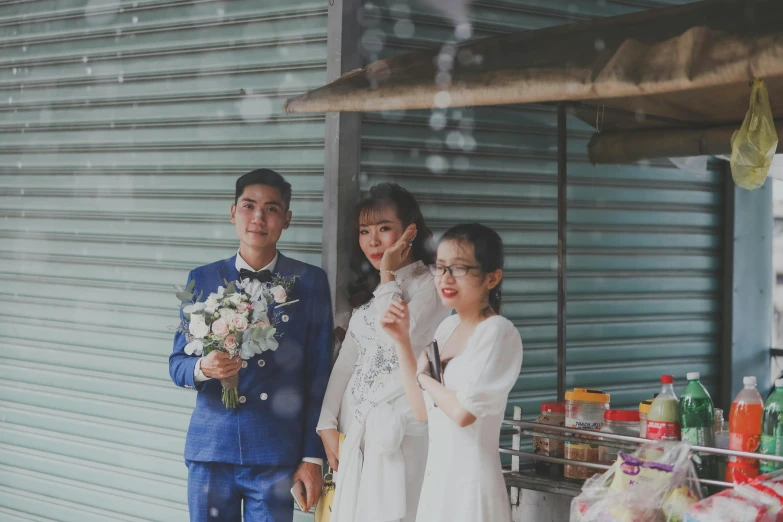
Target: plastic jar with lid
(584,410)
(618,422)
(552,414)
(644,409)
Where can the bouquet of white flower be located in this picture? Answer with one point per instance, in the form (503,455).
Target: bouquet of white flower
(240,318)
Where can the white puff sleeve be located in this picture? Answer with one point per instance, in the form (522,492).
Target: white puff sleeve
(496,356)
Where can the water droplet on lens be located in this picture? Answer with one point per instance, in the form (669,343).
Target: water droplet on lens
(437,164)
(438,121)
(442,99)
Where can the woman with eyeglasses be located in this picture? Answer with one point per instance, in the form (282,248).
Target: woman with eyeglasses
(481,354)
(380,466)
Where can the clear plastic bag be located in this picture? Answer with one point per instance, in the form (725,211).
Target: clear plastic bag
(655,484)
(760,500)
(753,146)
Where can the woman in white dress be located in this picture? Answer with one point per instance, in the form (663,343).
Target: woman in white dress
(482,355)
(380,468)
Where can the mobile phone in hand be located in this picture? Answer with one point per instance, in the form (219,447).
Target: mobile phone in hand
(433,354)
(300,495)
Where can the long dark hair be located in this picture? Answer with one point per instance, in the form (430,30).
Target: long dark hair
(488,248)
(386,195)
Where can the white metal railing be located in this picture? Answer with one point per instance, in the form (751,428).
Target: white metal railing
(535,429)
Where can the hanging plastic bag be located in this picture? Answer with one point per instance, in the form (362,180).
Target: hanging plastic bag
(753,146)
(655,484)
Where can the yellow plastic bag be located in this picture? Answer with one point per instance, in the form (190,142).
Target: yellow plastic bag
(753,146)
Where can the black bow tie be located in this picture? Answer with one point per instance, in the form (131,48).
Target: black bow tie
(263,276)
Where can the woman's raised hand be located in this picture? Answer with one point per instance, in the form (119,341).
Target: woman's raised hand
(396,322)
(396,256)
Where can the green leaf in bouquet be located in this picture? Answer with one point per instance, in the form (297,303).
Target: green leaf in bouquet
(230,290)
(271,344)
(264,330)
(200,295)
(185,296)
(191,285)
(246,351)
(250,348)
(259,314)
(258,334)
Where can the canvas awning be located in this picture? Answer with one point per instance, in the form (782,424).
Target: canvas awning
(664,82)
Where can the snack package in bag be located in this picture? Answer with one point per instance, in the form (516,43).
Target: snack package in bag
(655,484)
(760,500)
(728,506)
(753,146)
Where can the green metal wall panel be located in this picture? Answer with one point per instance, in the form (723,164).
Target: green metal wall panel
(644,242)
(123,126)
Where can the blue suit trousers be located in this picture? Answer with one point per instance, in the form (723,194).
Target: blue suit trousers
(218,492)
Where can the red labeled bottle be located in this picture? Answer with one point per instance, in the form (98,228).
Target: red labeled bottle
(745,431)
(663,419)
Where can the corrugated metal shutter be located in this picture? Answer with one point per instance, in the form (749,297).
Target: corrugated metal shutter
(644,267)
(124,126)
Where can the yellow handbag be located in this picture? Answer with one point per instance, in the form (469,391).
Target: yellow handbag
(323,510)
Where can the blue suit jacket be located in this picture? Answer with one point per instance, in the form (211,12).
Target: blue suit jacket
(283,390)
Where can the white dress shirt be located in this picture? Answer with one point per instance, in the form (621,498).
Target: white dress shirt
(198,375)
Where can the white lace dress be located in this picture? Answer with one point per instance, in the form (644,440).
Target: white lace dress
(464,480)
(365,391)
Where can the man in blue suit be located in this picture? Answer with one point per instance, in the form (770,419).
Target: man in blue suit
(247,458)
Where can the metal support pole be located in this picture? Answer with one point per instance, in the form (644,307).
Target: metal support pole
(341,156)
(516,441)
(562,221)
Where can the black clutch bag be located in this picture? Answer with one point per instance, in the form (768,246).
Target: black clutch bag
(433,354)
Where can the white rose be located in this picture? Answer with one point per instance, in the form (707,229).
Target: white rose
(235,299)
(198,327)
(227,313)
(212,302)
(279,294)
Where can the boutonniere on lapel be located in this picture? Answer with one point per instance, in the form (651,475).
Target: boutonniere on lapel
(241,318)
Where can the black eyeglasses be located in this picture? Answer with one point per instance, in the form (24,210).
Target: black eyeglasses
(454,270)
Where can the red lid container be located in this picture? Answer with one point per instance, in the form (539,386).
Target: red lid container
(552,407)
(622,415)
(667,379)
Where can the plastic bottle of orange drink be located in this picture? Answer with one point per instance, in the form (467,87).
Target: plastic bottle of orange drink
(745,431)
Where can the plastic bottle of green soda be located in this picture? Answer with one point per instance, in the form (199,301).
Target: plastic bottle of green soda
(697,419)
(772,428)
